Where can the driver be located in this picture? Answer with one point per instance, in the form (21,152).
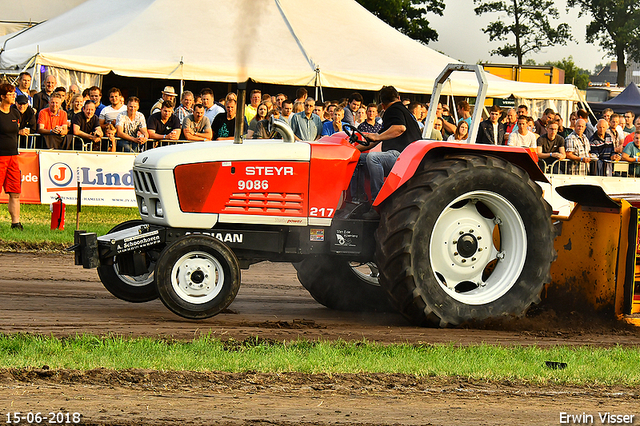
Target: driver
(399,129)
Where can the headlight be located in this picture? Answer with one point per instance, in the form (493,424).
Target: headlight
(159,211)
(143,207)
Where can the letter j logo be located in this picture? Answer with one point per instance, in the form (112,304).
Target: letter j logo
(60,174)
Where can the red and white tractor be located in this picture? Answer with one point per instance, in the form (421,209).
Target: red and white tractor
(464,232)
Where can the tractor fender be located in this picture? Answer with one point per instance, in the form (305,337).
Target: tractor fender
(409,160)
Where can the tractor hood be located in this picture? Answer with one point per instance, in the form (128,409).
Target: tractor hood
(168,157)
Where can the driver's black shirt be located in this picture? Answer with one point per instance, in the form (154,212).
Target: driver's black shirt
(398,114)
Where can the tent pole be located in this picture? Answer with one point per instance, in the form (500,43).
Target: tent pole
(318,85)
(37,75)
(181,76)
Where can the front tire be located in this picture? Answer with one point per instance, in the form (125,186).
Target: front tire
(197,276)
(136,289)
(342,285)
(467,239)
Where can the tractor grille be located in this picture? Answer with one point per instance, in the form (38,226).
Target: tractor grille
(144,182)
(265,202)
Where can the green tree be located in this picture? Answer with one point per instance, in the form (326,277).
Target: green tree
(572,73)
(599,68)
(615,28)
(527,22)
(407,16)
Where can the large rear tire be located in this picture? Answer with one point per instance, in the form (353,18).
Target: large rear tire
(342,285)
(197,276)
(466,239)
(136,289)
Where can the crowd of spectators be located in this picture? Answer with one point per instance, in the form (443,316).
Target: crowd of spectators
(580,148)
(57,118)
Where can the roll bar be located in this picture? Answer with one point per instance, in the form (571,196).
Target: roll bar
(476,118)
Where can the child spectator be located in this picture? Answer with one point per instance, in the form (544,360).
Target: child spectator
(110,134)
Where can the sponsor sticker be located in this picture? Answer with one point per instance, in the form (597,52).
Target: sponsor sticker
(316,234)
(345,238)
(139,241)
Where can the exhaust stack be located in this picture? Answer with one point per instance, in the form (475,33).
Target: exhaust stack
(242,96)
(283,128)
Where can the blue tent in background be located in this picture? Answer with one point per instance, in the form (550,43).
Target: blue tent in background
(627,100)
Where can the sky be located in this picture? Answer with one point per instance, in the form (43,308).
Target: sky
(461,37)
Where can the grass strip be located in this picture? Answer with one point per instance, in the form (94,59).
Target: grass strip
(37,233)
(616,366)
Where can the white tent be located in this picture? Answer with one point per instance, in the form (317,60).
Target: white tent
(328,43)
(18,15)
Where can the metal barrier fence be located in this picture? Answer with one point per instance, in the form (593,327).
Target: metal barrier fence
(608,168)
(27,142)
(32,141)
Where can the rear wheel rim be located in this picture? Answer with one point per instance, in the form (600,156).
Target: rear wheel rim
(197,277)
(478,247)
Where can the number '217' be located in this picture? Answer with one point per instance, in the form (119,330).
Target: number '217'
(320,212)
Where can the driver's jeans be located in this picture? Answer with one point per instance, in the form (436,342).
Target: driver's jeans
(356,187)
(379,165)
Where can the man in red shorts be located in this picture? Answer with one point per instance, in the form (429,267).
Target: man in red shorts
(10,178)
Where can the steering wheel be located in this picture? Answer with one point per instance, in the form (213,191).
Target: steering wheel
(355,135)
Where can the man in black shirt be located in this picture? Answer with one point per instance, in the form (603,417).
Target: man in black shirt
(27,115)
(41,99)
(399,129)
(163,125)
(86,126)
(224,125)
(491,131)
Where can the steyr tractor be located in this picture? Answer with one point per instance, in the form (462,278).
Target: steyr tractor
(464,232)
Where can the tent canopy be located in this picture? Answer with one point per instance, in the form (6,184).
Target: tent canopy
(627,100)
(269,41)
(17,15)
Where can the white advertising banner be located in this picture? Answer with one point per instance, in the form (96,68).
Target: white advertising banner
(106,178)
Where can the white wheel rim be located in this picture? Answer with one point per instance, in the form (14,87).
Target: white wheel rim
(462,247)
(138,280)
(197,277)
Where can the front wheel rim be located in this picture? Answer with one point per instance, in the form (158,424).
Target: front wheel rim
(197,277)
(367,272)
(478,247)
(138,280)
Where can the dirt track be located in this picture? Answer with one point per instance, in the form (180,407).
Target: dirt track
(46,294)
